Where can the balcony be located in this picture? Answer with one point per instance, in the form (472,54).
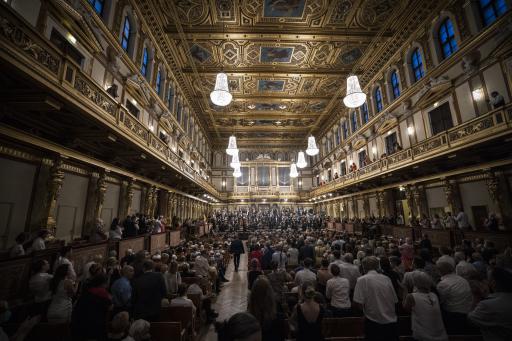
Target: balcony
(494,124)
(35,57)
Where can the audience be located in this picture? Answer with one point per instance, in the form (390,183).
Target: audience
(148,291)
(308,316)
(63,290)
(122,290)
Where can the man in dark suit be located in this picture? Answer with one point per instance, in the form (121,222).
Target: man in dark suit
(307,251)
(148,291)
(236,248)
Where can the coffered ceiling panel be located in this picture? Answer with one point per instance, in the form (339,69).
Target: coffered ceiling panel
(286,60)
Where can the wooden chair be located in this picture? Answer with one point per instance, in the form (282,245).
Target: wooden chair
(50,331)
(183,315)
(343,327)
(166,331)
(190,280)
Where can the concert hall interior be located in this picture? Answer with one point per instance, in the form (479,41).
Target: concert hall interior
(255,170)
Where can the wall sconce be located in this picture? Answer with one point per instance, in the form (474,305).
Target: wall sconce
(71,38)
(410,130)
(374,150)
(300,182)
(401,188)
(478,94)
(223,183)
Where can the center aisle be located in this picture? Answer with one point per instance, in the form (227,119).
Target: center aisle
(233,295)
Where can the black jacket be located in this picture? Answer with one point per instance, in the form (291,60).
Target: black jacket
(237,247)
(148,291)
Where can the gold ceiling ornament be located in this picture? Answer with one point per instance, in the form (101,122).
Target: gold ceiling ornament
(301,160)
(237,172)
(293,171)
(235,161)
(232,148)
(355,96)
(312,148)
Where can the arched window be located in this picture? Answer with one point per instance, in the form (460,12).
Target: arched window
(417,64)
(447,38)
(395,85)
(378,99)
(344,128)
(144,64)
(98,6)
(353,120)
(158,82)
(490,10)
(364,113)
(170,98)
(125,36)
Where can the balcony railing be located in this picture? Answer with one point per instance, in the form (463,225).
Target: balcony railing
(490,125)
(30,49)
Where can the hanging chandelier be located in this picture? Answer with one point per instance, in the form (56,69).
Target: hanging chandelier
(355,97)
(301,160)
(232,149)
(312,148)
(237,173)
(235,161)
(293,171)
(220,95)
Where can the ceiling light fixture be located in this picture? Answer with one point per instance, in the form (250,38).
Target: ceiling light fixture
(478,94)
(293,171)
(235,161)
(232,149)
(355,97)
(237,173)
(220,95)
(312,148)
(301,160)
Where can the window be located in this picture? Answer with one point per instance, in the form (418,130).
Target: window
(378,100)
(263,176)
(97,5)
(337,135)
(132,109)
(343,168)
(440,119)
(170,98)
(365,116)
(417,65)
(178,112)
(362,157)
(490,10)
(345,129)
(66,47)
(144,66)
(125,36)
(447,38)
(353,121)
(158,83)
(284,176)
(395,85)
(390,143)
(244,179)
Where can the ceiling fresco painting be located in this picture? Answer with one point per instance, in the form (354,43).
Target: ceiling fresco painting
(287,60)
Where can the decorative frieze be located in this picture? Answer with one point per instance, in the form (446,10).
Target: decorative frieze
(94,94)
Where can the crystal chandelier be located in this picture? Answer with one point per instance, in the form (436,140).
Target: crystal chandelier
(355,97)
(293,171)
(232,149)
(220,95)
(237,173)
(301,160)
(312,148)
(235,161)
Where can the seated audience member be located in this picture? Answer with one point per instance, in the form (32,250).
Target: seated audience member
(463,268)
(38,243)
(418,266)
(23,330)
(17,250)
(305,275)
(118,330)
(323,274)
(374,292)
(455,297)
(90,311)
(201,264)
(253,274)
(140,330)
(116,230)
(63,290)
(148,291)
(239,327)
(338,292)
(98,234)
(39,286)
(182,300)
(308,316)
(278,280)
(172,278)
(446,253)
(394,276)
(206,301)
(262,305)
(64,258)
(426,320)
(122,290)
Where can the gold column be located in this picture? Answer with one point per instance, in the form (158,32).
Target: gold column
(451,192)
(495,193)
(420,200)
(125,199)
(380,203)
(366,206)
(54,186)
(410,200)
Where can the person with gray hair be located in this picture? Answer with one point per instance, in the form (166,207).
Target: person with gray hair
(121,290)
(139,330)
(374,293)
(426,320)
(463,268)
(349,270)
(455,297)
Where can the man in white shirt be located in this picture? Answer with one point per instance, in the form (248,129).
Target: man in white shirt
(201,265)
(349,270)
(455,297)
(305,275)
(375,294)
(462,220)
(338,292)
(38,243)
(279,257)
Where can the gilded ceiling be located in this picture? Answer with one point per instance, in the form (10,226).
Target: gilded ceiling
(287,60)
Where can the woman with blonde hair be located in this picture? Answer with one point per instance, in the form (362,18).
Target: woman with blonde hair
(262,305)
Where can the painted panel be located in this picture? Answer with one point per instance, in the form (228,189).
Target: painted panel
(465,102)
(71,206)
(494,81)
(276,54)
(287,9)
(135,208)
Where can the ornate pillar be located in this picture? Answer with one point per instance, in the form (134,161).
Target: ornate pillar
(380,203)
(420,200)
(125,199)
(495,193)
(410,200)
(355,213)
(95,198)
(451,191)
(54,186)
(366,206)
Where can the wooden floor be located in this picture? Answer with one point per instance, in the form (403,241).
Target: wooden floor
(232,298)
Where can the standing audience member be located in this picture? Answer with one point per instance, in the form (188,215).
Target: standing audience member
(172,278)
(426,321)
(122,290)
(323,274)
(38,243)
(239,327)
(308,316)
(116,231)
(338,292)
(148,291)
(374,292)
(253,274)
(64,258)
(17,250)
(305,275)
(63,290)
(280,258)
(236,248)
(39,286)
